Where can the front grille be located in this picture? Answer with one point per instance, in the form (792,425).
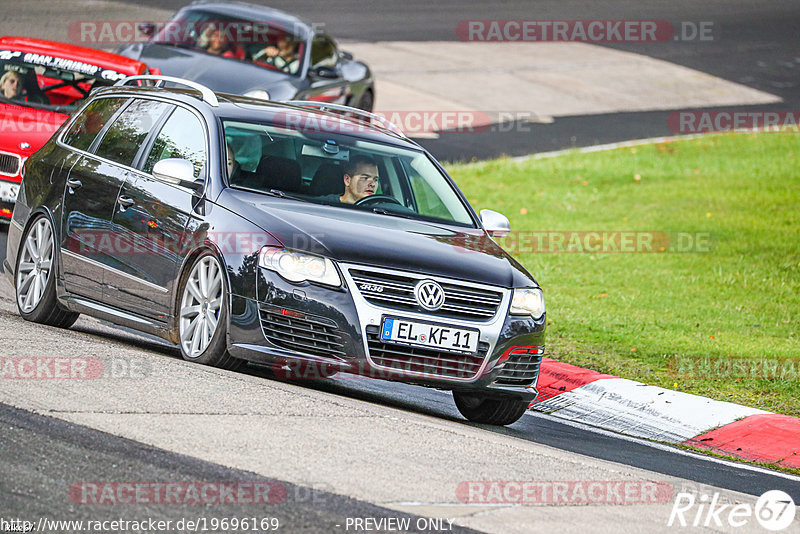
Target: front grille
(521,369)
(396,291)
(9,164)
(405,359)
(308,334)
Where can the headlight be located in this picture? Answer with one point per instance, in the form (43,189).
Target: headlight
(258,93)
(528,301)
(299,267)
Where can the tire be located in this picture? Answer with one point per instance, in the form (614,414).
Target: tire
(203,314)
(367,101)
(34,277)
(490,411)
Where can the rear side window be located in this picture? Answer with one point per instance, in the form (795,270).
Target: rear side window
(125,136)
(91,121)
(181,137)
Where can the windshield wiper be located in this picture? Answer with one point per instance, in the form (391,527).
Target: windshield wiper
(382,211)
(280,194)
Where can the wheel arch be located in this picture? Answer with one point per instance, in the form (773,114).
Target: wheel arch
(188,261)
(43,210)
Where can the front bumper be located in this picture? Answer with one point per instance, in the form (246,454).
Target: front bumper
(338,330)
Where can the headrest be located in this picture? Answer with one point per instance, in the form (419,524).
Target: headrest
(328,179)
(275,172)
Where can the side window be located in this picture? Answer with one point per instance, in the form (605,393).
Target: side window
(122,140)
(323,52)
(91,121)
(181,137)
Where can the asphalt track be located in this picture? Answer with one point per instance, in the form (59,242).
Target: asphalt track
(43,456)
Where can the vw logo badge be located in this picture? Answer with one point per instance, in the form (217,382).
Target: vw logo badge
(429,294)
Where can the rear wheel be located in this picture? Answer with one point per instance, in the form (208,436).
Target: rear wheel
(488,410)
(35,277)
(203,315)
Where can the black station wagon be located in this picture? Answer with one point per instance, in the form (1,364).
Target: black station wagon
(299,234)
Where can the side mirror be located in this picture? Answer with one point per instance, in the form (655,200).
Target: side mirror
(147,28)
(345,55)
(325,72)
(495,223)
(178,172)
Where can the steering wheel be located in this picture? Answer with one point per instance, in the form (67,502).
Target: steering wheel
(374,199)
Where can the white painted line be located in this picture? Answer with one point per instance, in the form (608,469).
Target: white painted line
(643,411)
(613,146)
(664,447)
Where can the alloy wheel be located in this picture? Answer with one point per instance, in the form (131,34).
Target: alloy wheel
(201,306)
(35,265)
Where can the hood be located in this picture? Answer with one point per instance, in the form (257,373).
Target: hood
(31,126)
(362,237)
(220,74)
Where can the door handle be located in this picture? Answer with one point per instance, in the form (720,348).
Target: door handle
(73,185)
(125,202)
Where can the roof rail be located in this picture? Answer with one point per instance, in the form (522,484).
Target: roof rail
(206,93)
(383,124)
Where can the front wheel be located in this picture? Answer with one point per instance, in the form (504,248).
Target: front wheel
(203,315)
(488,410)
(36,279)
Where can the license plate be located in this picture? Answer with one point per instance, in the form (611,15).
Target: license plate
(8,192)
(429,335)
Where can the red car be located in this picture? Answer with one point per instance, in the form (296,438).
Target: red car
(41,83)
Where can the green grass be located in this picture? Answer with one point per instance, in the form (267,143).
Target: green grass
(629,313)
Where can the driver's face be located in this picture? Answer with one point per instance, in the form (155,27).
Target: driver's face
(285,46)
(217,41)
(11,87)
(363,183)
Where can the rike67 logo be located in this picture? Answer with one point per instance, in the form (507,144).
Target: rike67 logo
(774,510)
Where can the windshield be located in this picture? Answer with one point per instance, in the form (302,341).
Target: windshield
(340,170)
(47,82)
(268,44)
